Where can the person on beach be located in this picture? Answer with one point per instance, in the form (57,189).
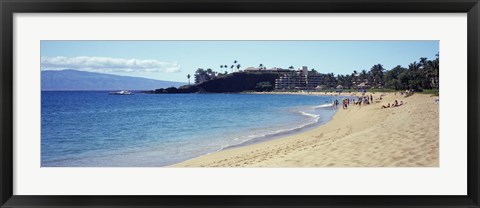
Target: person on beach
(388,106)
(371,98)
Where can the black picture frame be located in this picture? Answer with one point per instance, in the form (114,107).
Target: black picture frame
(9,7)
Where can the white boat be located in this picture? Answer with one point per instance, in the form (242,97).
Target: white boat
(123,92)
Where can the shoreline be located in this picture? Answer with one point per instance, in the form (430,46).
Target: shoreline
(360,136)
(273,136)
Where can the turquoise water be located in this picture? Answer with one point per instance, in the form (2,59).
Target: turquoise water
(94,129)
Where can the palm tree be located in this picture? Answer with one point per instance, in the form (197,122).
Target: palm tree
(423,61)
(234,64)
(331,80)
(188,77)
(238,67)
(225,67)
(376,75)
(354,76)
(414,69)
(260,66)
(364,74)
(435,66)
(414,66)
(231,67)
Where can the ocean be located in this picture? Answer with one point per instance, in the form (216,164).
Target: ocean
(94,129)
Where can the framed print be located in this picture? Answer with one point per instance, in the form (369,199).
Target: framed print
(243,104)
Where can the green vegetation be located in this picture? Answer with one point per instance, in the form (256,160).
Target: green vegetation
(422,76)
(434,92)
(419,76)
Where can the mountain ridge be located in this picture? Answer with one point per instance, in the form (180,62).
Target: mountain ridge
(75,80)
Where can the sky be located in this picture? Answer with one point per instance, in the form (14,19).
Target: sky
(173,60)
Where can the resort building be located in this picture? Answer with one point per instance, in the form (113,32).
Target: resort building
(299,79)
(290,81)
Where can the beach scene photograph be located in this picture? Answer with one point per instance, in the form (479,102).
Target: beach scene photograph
(240,103)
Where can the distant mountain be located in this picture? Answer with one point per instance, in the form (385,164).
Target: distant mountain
(79,80)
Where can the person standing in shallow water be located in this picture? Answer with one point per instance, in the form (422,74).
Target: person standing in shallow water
(345,104)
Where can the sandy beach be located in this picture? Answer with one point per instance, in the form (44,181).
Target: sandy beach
(360,136)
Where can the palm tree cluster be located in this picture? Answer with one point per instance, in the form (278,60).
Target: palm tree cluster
(202,75)
(418,76)
(224,66)
(235,65)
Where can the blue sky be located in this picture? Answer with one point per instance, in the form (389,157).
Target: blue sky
(173,60)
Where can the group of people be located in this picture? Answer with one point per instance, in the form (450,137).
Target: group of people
(394,104)
(363,100)
(359,101)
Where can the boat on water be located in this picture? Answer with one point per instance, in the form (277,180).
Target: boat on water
(123,92)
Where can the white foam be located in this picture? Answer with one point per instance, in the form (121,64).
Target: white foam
(324,105)
(309,114)
(274,133)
